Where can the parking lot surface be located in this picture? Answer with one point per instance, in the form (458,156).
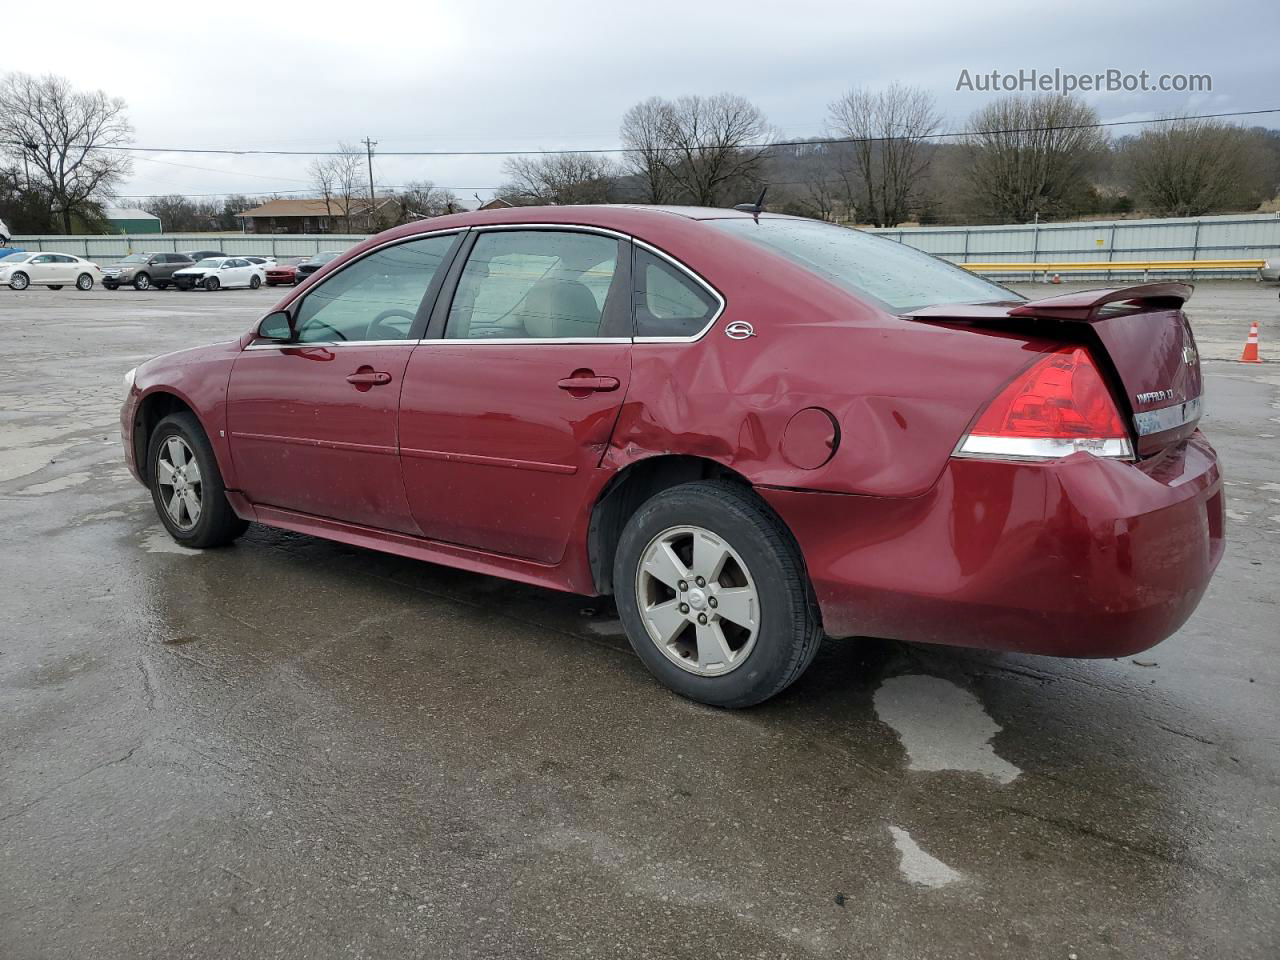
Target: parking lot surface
(292,748)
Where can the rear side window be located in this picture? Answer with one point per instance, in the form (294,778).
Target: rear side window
(375,298)
(533,285)
(898,276)
(668,302)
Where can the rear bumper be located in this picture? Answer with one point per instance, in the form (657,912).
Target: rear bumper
(1080,557)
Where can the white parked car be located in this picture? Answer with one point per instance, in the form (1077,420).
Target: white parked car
(215,273)
(53,270)
(266,263)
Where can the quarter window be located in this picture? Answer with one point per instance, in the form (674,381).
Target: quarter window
(533,284)
(375,298)
(668,302)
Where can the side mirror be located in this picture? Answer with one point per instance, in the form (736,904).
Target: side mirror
(277,327)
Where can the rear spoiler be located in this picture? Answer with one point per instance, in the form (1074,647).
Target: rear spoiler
(1084,305)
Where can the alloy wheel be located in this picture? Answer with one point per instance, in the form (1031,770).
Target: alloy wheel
(142,282)
(19,281)
(698,601)
(84,282)
(181,487)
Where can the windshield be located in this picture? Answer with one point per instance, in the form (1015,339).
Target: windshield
(209,263)
(898,276)
(135,258)
(15,258)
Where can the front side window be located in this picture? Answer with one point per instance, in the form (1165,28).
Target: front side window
(375,298)
(533,285)
(668,302)
(898,276)
(46,258)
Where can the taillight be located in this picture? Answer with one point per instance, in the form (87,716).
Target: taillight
(1058,407)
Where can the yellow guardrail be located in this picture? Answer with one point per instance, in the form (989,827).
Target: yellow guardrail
(1107,266)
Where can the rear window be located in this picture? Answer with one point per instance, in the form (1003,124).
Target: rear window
(898,276)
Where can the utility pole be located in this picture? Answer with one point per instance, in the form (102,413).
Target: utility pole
(368,147)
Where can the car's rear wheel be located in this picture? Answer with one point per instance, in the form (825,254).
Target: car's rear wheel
(84,282)
(19,281)
(211,283)
(255,282)
(142,282)
(186,485)
(714,596)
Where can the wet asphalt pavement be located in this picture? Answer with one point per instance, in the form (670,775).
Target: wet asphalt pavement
(291,748)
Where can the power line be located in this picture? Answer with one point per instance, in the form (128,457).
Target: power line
(616,150)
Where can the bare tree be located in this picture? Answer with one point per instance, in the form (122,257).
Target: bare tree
(889,153)
(421,199)
(323,177)
(348,182)
(62,137)
(1192,167)
(1031,156)
(643,132)
(561,178)
(713,145)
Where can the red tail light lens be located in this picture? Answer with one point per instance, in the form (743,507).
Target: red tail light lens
(1058,407)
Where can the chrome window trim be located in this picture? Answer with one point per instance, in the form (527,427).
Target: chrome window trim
(1167,418)
(697,278)
(372,250)
(513,341)
(327,344)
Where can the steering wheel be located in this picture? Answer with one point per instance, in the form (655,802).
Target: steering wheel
(380,330)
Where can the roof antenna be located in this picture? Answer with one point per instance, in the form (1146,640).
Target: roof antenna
(757,208)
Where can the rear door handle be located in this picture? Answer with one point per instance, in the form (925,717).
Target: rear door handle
(369,377)
(598,384)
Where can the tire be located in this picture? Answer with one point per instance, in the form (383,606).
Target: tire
(211,284)
(142,282)
(214,523)
(19,281)
(765,563)
(84,282)
(255,282)
(55,286)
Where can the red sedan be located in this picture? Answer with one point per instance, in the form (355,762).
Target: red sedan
(284,272)
(751,430)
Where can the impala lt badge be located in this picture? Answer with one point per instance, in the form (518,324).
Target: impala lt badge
(1154,396)
(739,330)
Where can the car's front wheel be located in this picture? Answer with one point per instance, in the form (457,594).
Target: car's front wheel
(186,485)
(714,596)
(19,281)
(211,283)
(142,282)
(84,282)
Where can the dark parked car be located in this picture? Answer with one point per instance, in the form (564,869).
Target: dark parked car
(307,267)
(144,270)
(751,430)
(198,255)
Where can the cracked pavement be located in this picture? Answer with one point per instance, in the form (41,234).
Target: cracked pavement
(292,748)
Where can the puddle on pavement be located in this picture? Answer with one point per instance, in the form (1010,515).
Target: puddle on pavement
(918,867)
(941,726)
(159,541)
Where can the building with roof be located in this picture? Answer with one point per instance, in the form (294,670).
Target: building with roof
(131,220)
(315,215)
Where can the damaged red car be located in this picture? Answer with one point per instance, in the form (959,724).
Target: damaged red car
(751,430)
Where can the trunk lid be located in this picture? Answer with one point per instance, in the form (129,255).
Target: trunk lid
(1139,332)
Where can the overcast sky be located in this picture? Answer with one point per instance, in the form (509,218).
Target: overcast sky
(452,75)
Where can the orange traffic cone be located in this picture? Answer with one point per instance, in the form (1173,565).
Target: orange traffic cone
(1250,354)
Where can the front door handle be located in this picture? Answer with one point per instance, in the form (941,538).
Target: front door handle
(585,384)
(368,377)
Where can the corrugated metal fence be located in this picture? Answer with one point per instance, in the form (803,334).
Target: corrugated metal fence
(1191,238)
(108,249)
